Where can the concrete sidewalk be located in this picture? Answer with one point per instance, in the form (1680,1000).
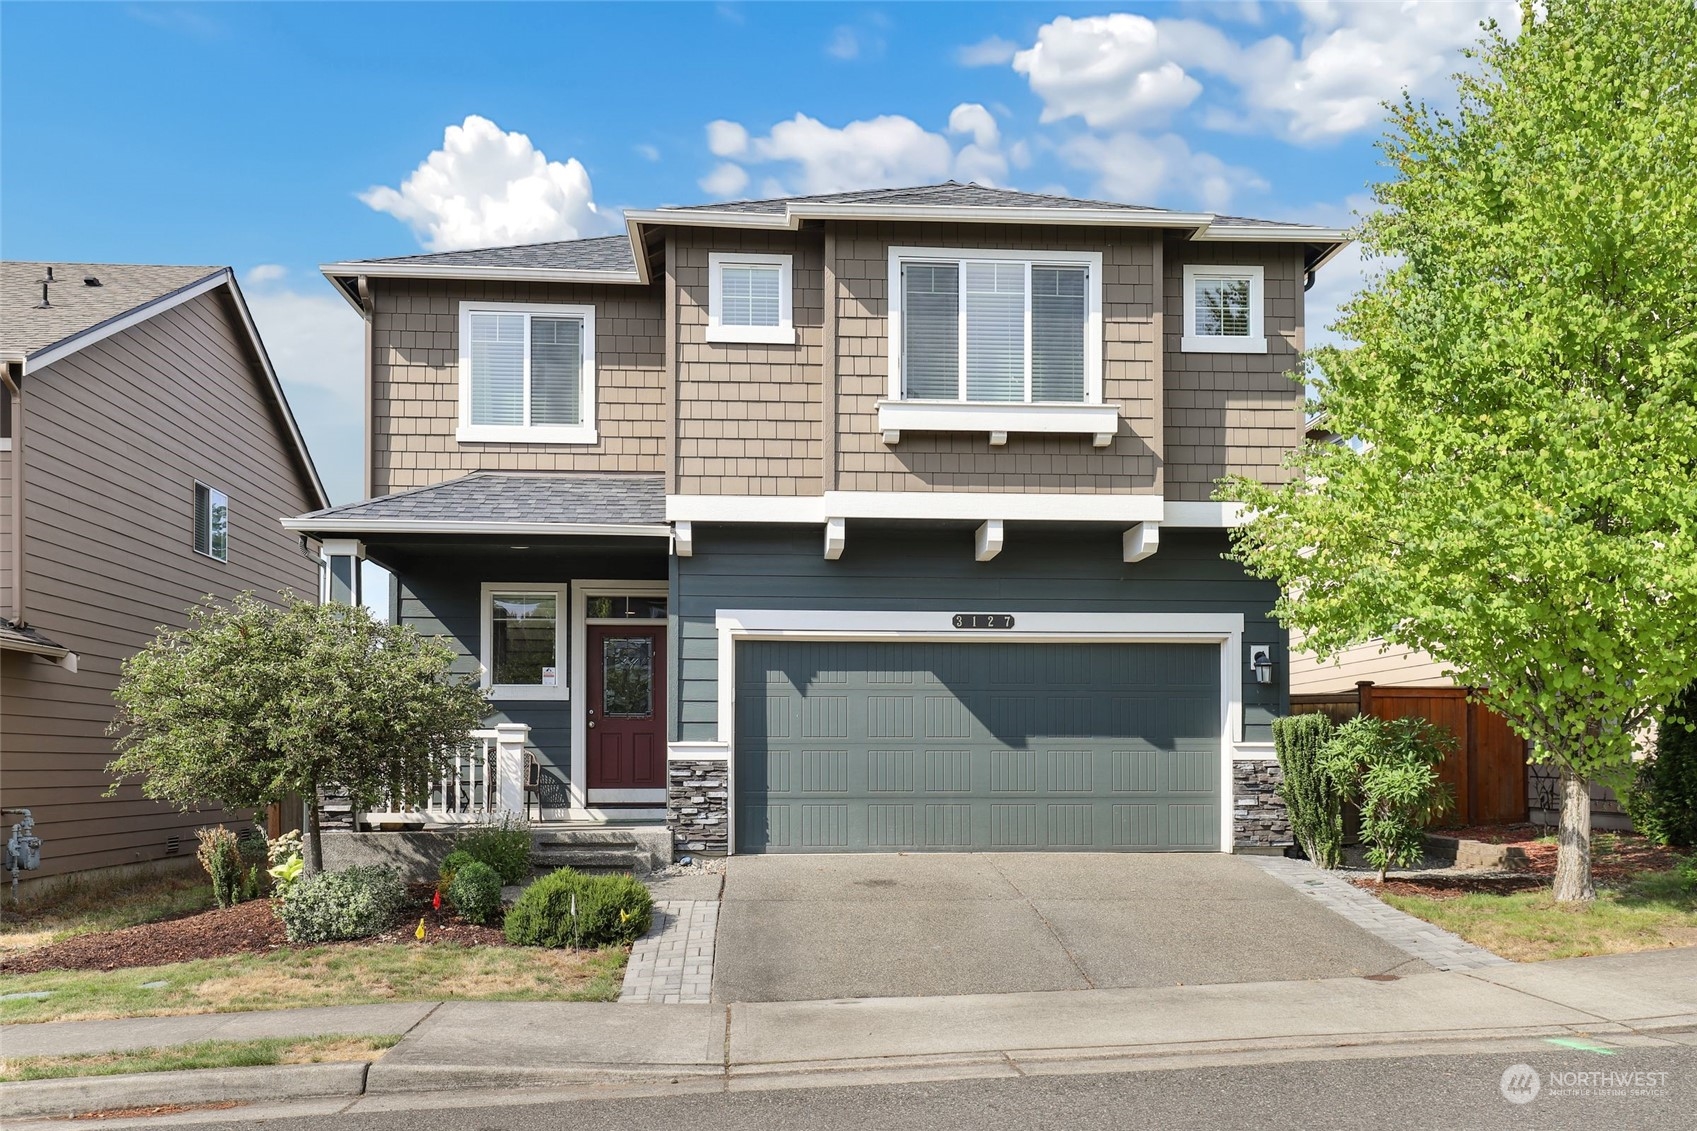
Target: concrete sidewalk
(457,1045)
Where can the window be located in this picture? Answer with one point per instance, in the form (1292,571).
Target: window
(1222,310)
(625,608)
(211,522)
(749,298)
(523,641)
(995,327)
(527,373)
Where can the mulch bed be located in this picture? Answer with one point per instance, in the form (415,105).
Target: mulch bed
(1615,859)
(247,928)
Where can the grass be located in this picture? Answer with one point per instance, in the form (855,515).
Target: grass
(342,974)
(1652,910)
(80,906)
(204,1054)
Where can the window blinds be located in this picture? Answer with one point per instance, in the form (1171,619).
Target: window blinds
(556,357)
(1222,307)
(526,369)
(497,368)
(749,294)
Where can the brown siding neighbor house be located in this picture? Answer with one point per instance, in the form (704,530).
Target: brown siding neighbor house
(872,521)
(148,456)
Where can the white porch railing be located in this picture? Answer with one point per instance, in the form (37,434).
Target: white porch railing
(485,779)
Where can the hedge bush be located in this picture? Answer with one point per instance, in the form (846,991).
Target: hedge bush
(611,910)
(451,865)
(475,892)
(1390,768)
(354,903)
(220,853)
(503,845)
(1663,799)
(1313,801)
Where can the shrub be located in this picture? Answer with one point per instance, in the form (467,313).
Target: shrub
(354,903)
(503,845)
(1662,801)
(475,892)
(609,910)
(233,878)
(287,863)
(1312,799)
(451,864)
(1389,767)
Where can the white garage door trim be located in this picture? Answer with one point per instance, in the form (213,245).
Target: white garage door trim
(1225,629)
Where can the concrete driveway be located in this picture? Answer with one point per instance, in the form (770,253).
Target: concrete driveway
(802,928)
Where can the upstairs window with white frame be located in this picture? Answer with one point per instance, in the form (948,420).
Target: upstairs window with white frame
(750,298)
(527,373)
(996,327)
(1223,309)
(211,522)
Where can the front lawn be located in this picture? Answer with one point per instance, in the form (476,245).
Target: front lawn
(203,1054)
(338,974)
(79,905)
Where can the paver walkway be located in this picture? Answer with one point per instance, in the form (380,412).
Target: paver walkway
(673,963)
(1430,944)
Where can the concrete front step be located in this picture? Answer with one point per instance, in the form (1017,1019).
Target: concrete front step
(635,847)
(589,857)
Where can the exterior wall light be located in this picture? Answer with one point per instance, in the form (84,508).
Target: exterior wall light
(1261,663)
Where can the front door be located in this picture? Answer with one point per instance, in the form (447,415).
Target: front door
(626,712)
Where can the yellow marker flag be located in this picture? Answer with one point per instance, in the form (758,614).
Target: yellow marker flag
(419,934)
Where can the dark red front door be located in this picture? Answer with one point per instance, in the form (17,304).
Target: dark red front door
(627,709)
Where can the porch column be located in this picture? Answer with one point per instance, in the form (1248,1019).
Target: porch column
(341,557)
(510,739)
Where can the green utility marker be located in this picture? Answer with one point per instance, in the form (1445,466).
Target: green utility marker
(1582,1046)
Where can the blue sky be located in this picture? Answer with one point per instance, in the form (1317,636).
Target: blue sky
(273,138)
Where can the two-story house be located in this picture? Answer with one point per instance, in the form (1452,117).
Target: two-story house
(146,450)
(871,521)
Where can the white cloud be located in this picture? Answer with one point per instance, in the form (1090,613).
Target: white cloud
(726,139)
(646,151)
(266,273)
(487,187)
(804,155)
(1121,70)
(1129,166)
(1107,70)
(844,44)
(991,52)
(726,179)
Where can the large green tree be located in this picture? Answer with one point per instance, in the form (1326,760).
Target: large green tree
(1523,500)
(255,702)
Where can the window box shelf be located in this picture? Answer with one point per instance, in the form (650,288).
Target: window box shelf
(997,420)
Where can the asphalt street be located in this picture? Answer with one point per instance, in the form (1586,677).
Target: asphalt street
(1452,1092)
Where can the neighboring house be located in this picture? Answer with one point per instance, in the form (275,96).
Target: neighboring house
(146,453)
(861,522)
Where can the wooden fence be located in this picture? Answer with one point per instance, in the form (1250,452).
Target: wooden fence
(1488,770)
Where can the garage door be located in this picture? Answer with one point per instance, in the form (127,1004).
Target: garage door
(960,747)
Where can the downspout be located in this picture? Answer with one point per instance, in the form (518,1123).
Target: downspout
(12,374)
(365,307)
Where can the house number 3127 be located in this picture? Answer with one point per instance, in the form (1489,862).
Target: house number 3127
(983,620)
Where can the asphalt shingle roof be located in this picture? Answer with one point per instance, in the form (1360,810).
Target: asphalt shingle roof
(74,306)
(14,635)
(499,496)
(950,194)
(602,253)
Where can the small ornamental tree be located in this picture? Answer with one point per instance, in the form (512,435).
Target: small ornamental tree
(1523,500)
(1313,801)
(1389,767)
(254,702)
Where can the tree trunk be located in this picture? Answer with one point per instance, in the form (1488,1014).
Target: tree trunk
(312,854)
(1573,841)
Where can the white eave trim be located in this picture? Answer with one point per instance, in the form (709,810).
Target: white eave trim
(1213,516)
(334,271)
(973,506)
(368,526)
(53,651)
(1099,421)
(793,215)
(1272,233)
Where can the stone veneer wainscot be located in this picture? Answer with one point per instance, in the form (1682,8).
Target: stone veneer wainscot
(1259,819)
(698,806)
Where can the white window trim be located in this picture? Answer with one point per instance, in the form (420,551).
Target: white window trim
(486,641)
(212,495)
(583,433)
(1225,629)
(781,334)
(1091,260)
(1255,341)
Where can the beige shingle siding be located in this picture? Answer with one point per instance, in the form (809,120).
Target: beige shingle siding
(1233,414)
(415,383)
(750,417)
(942,462)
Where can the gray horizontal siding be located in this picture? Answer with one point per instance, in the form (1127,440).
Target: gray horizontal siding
(1040,570)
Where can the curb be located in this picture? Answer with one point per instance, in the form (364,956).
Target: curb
(394,1079)
(190,1086)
